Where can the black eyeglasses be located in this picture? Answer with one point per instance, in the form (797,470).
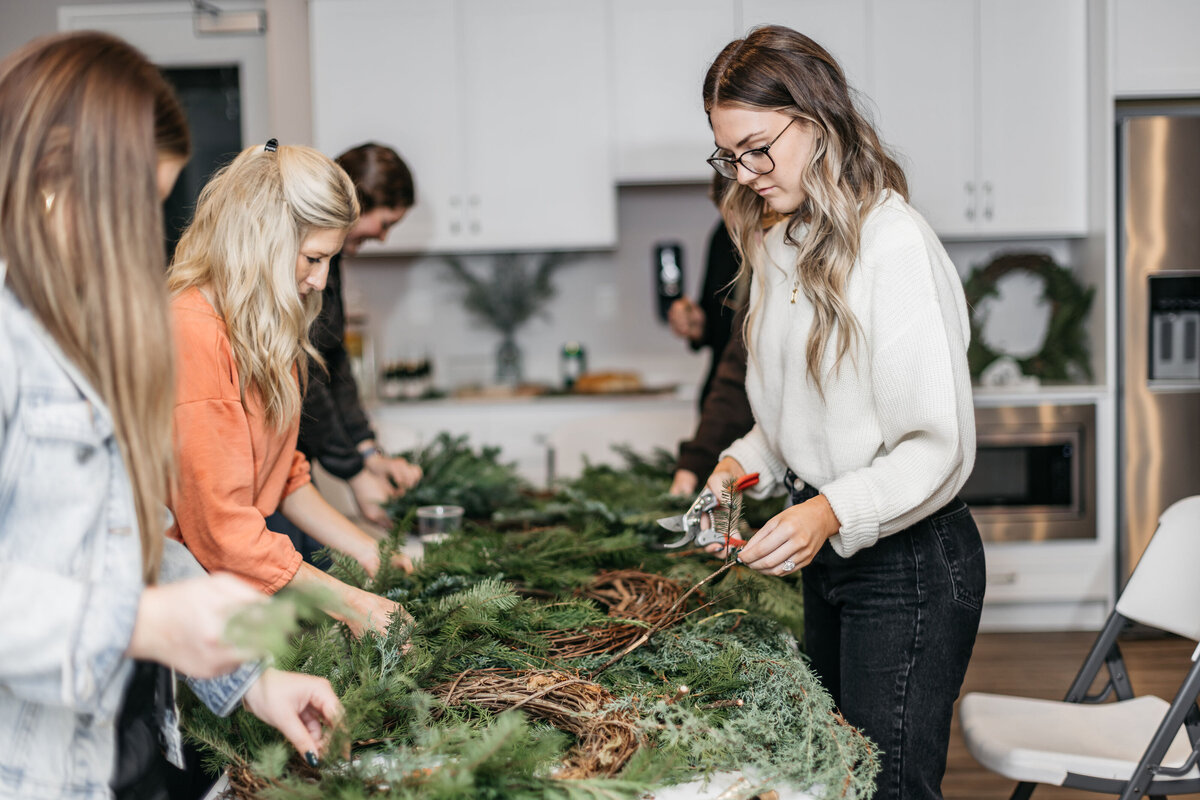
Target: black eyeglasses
(757,160)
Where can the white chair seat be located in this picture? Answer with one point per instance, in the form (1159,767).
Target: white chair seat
(1040,741)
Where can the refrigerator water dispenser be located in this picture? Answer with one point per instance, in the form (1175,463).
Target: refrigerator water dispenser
(1174,328)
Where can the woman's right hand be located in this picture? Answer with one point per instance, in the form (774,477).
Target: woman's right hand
(686,319)
(182,625)
(363,611)
(301,707)
(728,469)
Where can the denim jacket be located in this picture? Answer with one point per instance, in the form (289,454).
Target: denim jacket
(70,573)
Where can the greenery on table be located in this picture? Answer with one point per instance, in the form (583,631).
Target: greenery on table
(491,602)
(457,475)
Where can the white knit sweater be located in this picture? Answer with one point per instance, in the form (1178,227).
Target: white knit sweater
(894,439)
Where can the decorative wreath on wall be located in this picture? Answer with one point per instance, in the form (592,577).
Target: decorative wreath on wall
(1064,353)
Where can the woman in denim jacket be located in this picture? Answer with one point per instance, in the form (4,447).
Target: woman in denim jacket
(91,138)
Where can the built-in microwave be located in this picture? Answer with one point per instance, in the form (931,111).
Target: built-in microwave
(1035,473)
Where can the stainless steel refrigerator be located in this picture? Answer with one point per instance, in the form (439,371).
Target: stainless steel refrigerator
(1158,303)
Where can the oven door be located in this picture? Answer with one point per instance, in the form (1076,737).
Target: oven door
(1034,469)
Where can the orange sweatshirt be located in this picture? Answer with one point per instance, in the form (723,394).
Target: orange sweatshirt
(233,468)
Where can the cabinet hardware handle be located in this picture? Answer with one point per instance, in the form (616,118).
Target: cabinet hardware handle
(1001,578)
(473,200)
(970,187)
(455,201)
(989,205)
(475,227)
(455,227)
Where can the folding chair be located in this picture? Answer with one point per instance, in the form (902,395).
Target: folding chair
(1135,746)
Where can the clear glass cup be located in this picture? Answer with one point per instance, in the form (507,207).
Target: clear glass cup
(435,523)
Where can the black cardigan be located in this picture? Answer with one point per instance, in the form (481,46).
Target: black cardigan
(332,421)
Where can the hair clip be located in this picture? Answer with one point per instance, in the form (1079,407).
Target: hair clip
(271,146)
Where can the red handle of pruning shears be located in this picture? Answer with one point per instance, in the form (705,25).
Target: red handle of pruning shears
(742,483)
(746,481)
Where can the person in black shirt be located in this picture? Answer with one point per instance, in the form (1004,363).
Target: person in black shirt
(334,429)
(725,411)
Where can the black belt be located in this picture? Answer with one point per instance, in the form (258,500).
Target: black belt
(798,489)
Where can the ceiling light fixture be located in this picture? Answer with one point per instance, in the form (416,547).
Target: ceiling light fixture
(210,20)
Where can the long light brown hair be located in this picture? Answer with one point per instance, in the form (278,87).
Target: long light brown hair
(84,118)
(242,245)
(777,69)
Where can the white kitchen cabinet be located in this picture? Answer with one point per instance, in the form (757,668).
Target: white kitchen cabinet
(500,109)
(661,50)
(986,104)
(1154,48)
(840,26)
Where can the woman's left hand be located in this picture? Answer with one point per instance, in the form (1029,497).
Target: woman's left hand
(299,706)
(792,536)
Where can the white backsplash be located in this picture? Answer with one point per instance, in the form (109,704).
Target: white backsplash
(605,300)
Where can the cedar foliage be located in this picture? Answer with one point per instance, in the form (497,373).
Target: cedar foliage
(488,601)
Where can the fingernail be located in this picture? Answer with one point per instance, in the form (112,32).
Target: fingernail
(312,759)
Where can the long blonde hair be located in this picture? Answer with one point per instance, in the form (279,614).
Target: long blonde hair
(242,245)
(777,69)
(84,118)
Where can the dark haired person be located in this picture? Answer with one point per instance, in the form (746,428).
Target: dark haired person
(334,429)
(715,322)
(725,414)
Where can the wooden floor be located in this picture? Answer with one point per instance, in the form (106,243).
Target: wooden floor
(1043,665)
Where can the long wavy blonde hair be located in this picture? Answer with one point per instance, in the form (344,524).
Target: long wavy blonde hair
(777,69)
(242,246)
(84,119)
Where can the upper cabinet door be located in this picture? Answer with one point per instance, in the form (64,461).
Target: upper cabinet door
(1154,48)
(661,50)
(840,26)
(537,133)
(925,92)
(1033,117)
(385,71)
(500,109)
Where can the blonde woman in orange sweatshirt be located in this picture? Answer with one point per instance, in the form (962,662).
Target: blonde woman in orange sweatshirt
(246,285)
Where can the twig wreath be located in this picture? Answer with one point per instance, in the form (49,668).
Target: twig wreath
(1064,352)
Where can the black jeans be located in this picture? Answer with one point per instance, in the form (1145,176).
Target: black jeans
(890,631)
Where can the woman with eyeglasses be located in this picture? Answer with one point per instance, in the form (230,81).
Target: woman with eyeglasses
(91,140)
(857,375)
(246,286)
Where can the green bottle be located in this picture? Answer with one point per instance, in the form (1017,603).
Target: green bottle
(573,363)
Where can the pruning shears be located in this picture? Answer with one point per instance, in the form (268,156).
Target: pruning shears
(689,522)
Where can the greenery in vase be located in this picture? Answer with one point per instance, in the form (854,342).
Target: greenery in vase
(515,290)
